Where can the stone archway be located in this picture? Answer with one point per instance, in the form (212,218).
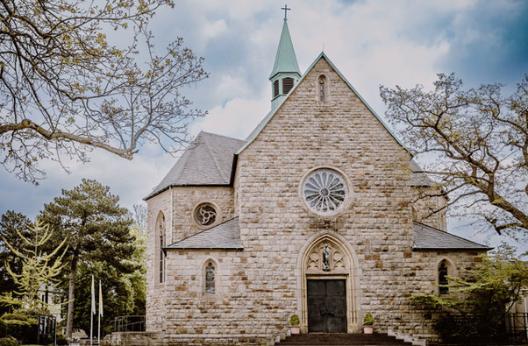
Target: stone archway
(327,259)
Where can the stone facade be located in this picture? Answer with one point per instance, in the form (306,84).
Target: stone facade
(177,205)
(260,286)
(428,207)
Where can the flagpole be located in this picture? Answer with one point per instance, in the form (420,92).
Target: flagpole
(92,311)
(99,314)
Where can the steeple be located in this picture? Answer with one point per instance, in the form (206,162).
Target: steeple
(285,73)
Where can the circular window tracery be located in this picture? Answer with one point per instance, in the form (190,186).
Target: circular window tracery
(205,214)
(324,191)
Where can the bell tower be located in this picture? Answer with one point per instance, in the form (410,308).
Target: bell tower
(285,73)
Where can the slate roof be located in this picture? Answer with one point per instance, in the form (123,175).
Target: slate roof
(223,236)
(429,238)
(207,161)
(227,236)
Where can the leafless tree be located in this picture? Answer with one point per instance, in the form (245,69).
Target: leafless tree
(478,139)
(65,89)
(138,213)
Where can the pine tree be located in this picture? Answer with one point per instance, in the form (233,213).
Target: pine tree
(98,233)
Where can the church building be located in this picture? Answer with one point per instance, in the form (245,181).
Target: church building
(313,215)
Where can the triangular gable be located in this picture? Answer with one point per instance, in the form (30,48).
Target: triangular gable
(254,134)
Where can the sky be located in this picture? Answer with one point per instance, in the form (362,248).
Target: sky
(373,43)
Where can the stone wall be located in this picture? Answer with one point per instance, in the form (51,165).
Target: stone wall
(179,226)
(155,306)
(428,207)
(422,278)
(275,225)
(185,199)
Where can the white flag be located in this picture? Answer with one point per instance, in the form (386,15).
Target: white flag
(100,299)
(93,296)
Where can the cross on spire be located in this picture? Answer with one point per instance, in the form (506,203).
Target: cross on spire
(286,9)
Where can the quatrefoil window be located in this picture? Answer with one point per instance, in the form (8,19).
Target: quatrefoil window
(324,191)
(205,214)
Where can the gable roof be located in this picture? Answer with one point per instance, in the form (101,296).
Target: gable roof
(223,236)
(254,134)
(430,238)
(208,161)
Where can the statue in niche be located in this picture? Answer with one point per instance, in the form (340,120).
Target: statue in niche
(326,258)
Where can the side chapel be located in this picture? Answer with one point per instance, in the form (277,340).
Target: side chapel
(312,215)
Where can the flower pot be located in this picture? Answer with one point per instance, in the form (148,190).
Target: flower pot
(295,330)
(368,330)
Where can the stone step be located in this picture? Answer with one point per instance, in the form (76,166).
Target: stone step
(317,339)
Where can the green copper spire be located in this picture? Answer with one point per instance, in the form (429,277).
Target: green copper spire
(285,73)
(285,59)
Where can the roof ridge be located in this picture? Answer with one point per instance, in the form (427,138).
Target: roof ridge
(451,234)
(219,135)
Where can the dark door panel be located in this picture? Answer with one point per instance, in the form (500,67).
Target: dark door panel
(327,306)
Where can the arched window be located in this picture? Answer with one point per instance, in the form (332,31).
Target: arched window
(210,274)
(287,85)
(160,244)
(443,272)
(276,88)
(323,88)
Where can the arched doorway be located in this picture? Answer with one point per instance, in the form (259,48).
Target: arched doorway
(328,282)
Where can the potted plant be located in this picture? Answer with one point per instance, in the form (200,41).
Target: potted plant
(368,321)
(294,325)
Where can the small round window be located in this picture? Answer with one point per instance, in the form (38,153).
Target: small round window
(205,214)
(324,191)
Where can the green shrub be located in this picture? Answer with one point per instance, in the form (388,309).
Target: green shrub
(294,320)
(475,309)
(368,320)
(61,340)
(8,341)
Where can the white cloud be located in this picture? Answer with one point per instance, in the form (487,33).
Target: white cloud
(213,29)
(237,118)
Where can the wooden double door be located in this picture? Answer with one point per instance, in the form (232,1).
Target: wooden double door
(327,310)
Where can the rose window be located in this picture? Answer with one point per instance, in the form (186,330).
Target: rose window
(324,191)
(205,214)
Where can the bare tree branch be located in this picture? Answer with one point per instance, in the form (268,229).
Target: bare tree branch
(478,140)
(64,89)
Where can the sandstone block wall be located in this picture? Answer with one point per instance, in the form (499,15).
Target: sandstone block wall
(185,199)
(155,305)
(428,207)
(177,205)
(275,224)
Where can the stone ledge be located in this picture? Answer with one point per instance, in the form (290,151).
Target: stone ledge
(162,339)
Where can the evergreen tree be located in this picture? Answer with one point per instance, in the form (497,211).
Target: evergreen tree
(123,293)
(98,233)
